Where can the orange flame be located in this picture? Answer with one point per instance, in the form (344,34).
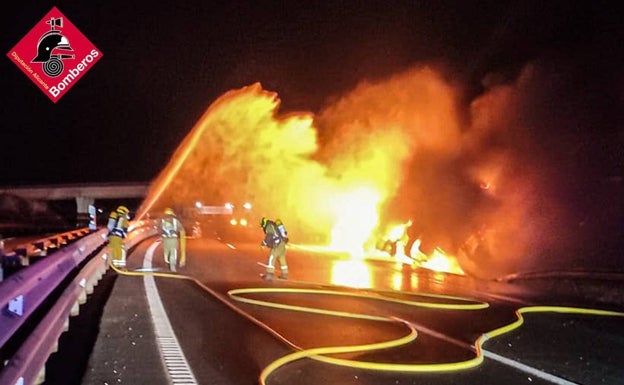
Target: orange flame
(441,262)
(384,151)
(356,217)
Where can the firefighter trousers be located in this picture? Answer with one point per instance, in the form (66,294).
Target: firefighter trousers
(170,249)
(117,250)
(278,253)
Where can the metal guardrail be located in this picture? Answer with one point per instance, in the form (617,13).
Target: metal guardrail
(21,254)
(22,293)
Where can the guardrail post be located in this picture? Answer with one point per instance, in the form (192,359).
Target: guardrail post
(105,266)
(75,310)
(92,283)
(40,376)
(54,244)
(41,247)
(23,256)
(82,298)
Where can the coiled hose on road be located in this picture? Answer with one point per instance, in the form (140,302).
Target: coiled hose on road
(323,353)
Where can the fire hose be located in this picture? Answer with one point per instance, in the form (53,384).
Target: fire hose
(324,354)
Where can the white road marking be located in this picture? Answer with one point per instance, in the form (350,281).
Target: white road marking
(496,357)
(180,372)
(175,362)
(527,369)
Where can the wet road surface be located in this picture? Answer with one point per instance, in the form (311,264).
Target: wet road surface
(371,321)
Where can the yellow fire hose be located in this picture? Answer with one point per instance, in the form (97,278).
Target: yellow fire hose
(322,353)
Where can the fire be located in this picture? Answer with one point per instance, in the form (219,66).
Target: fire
(385,151)
(240,148)
(441,262)
(352,273)
(356,217)
(395,232)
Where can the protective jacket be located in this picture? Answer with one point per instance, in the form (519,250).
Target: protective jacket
(271,235)
(170,227)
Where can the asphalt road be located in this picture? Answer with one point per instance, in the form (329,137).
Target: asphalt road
(410,326)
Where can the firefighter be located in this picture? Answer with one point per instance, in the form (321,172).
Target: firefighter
(117,230)
(277,244)
(173,238)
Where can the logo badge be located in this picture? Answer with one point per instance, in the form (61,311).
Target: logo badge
(54,55)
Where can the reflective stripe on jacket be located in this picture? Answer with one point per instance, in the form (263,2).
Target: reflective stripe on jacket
(170,227)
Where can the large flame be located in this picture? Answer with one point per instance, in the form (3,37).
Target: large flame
(356,217)
(385,152)
(241,150)
(442,262)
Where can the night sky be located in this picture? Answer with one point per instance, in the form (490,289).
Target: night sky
(164,63)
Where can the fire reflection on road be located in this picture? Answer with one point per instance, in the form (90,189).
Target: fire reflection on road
(352,273)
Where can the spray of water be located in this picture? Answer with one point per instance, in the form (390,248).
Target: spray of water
(243,150)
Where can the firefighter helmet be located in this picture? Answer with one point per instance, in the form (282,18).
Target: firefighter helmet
(123,210)
(263,222)
(169,211)
(49,42)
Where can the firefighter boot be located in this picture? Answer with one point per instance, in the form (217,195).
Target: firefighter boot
(267,277)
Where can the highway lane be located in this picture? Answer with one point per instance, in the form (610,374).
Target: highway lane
(224,346)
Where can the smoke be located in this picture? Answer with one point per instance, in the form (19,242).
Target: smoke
(243,149)
(520,185)
(497,182)
(541,145)
(394,134)
(465,186)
